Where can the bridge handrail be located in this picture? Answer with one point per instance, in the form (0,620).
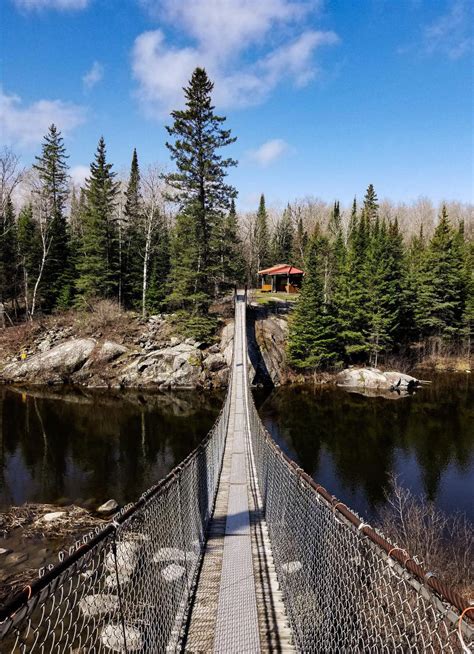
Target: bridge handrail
(293,503)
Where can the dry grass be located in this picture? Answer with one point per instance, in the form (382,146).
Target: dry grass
(443,543)
(30,519)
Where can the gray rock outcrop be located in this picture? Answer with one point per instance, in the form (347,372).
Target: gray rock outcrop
(52,365)
(373,378)
(155,358)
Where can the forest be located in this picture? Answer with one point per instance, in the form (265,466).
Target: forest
(380,278)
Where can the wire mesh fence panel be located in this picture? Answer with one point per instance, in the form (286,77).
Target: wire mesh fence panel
(345,588)
(128,587)
(342,591)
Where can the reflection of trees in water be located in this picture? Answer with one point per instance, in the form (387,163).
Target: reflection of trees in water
(100,445)
(364,436)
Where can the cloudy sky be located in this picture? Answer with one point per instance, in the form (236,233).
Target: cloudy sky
(324,97)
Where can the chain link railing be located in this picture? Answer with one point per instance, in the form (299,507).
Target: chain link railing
(128,587)
(345,588)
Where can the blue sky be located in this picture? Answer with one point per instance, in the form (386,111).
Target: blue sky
(324,97)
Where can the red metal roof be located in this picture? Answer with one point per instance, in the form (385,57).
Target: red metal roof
(281,269)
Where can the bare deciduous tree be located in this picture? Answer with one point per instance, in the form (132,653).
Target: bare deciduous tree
(11,175)
(153,192)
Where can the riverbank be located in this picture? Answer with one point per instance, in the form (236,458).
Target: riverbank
(110,348)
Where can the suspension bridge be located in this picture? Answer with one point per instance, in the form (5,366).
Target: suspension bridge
(236,550)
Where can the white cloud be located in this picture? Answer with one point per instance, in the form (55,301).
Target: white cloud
(61,5)
(26,125)
(93,76)
(79,174)
(451,33)
(269,151)
(247,48)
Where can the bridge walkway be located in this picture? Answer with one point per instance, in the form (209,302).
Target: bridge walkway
(238,606)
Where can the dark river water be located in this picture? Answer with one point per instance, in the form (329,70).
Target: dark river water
(351,444)
(86,447)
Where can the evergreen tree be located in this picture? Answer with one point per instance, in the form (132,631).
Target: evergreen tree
(159,269)
(312,338)
(262,237)
(98,263)
(468,316)
(411,283)
(203,196)
(232,261)
(282,241)
(371,204)
(442,293)
(8,251)
(352,298)
(52,170)
(132,264)
(382,274)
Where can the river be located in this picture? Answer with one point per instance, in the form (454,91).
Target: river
(351,444)
(84,447)
(66,446)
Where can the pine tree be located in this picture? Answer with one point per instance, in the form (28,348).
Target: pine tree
(312,341)
(371,204)
(411,282)
(52,169)
(8,252)
(261,237)
(157,293)
(201,192)
(382,274)
(442,293)
(98,264)
(132,264)
(351,298)
(468,316)
(232,261)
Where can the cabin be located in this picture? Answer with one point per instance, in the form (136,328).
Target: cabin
(281,278)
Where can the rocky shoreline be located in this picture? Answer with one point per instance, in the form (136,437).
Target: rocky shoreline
(153,358)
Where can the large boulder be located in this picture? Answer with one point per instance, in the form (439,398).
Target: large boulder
(109,352)
(54,365)
(373,378)
(177,366)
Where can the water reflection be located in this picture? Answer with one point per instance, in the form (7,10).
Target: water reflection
(85,447)
(351,443)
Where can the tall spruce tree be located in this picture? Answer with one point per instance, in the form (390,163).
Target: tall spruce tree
(51,166)
(261,237)
(203,196)
(98,263)
(442,291)
(232,261)
(351,298)
(132,264)
(312,341)
(160,268)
